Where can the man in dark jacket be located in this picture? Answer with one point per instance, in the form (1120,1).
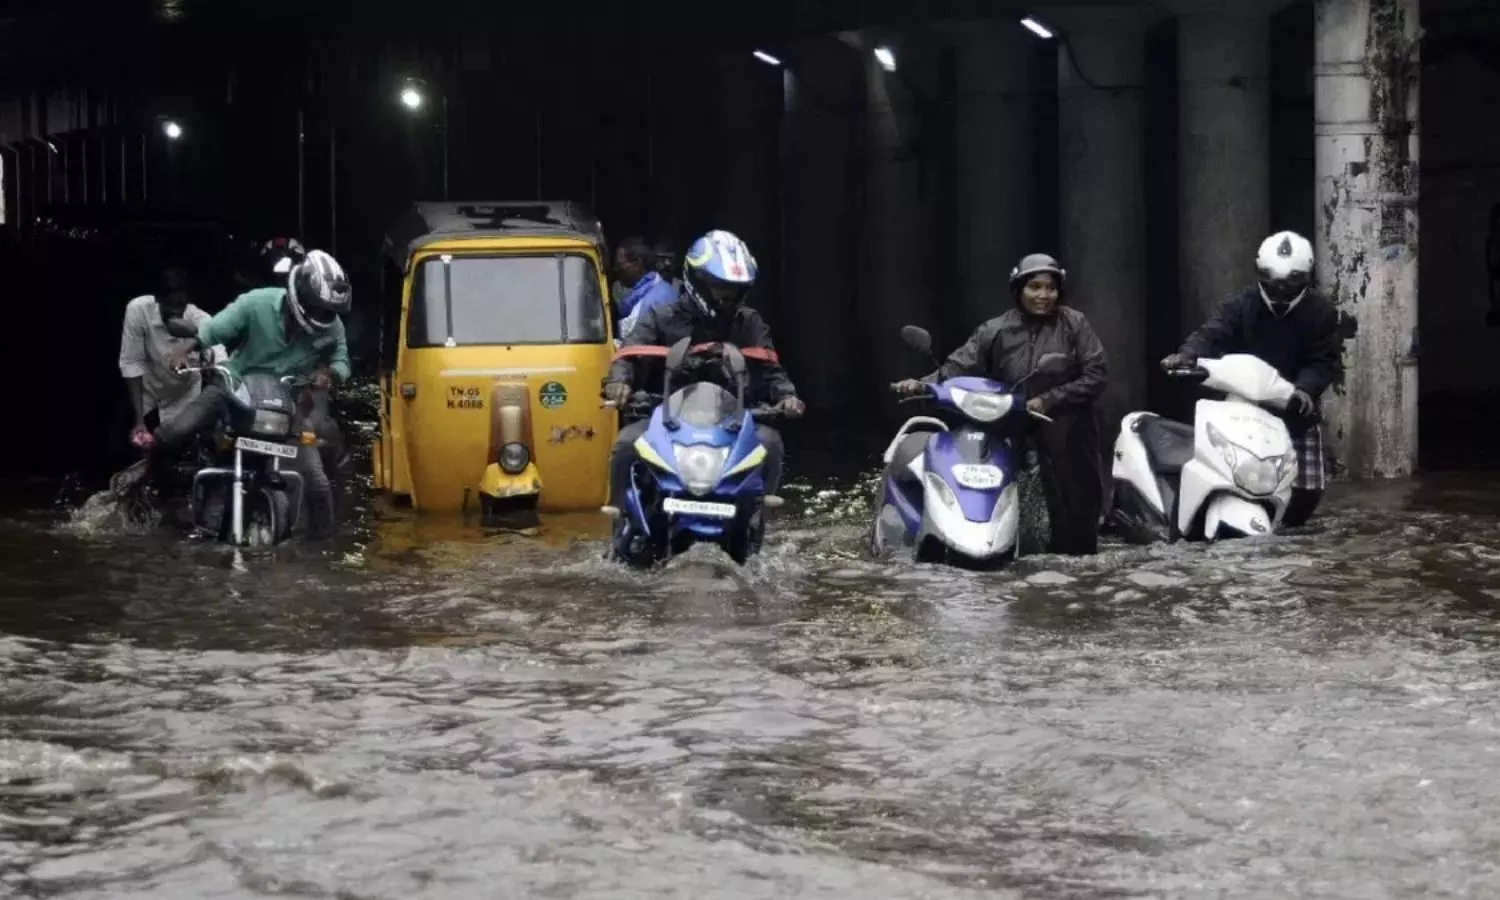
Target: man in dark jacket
(717,276)
(1286,323)
(1007,348)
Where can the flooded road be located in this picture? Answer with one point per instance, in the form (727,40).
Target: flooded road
(428,712)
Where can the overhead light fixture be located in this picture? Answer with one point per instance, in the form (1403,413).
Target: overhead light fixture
(767,58)
(171,129)
(1037,28)
(886,58)
(411,98)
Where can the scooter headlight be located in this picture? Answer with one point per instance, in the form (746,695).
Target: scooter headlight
(982,407)
(700,466)
(1254,475)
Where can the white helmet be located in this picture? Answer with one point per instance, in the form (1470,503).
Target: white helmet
(1284,264)
(318,292)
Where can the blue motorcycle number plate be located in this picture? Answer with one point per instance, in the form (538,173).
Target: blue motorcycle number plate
(284,451)
(978,477)
(678,507)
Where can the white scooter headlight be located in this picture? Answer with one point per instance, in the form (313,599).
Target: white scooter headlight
(1254,475)
(700,466)
(982,407)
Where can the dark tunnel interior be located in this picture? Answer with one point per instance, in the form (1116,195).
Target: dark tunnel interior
(294,130)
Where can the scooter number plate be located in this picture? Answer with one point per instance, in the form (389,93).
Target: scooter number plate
(266,447)
(978,477)
(698,508)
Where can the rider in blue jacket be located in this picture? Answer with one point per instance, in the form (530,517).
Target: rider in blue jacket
(645,288)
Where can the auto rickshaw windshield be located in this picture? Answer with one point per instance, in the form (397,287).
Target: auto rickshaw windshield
(512,299)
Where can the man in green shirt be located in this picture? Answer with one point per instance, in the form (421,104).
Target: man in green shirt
(296,330)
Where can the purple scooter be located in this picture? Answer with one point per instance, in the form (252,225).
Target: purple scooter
(953,493)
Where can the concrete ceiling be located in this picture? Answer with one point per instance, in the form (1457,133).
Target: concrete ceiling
(44,38)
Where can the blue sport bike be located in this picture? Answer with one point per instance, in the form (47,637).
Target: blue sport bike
(699,476)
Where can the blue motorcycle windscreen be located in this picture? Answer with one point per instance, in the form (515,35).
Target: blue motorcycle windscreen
(702,405)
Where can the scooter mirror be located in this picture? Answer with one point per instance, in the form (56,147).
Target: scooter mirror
(1052,364)
(917,339)
(180,328)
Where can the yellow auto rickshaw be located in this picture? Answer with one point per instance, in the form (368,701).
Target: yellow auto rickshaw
(495,335)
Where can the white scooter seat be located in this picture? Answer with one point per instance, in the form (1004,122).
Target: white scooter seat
(1168,444)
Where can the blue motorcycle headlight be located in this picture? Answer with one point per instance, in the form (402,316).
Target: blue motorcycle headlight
(700,466)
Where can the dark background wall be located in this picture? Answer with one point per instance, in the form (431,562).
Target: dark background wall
(659,134)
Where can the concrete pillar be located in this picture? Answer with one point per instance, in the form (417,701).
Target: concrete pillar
(1101,123)
(1224,154)
(1365,93)
(994,161)
(824,96)
(898,221)
(749,98)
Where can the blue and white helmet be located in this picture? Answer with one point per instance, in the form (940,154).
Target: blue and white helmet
(718,272)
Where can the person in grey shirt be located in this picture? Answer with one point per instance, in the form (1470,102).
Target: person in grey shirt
(150,356)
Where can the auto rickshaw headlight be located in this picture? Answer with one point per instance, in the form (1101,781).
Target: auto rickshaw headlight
(514,458)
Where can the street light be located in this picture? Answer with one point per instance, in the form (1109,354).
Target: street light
(1037,28)
(413,97)
(171,129)
(767,58)
(886,58)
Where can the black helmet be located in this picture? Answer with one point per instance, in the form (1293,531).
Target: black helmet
(1032,264)
(318,291)
(278,256)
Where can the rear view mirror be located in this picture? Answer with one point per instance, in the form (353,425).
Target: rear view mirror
(180,328)
(678,354)
(917,339)
(734,361)
(1052,364)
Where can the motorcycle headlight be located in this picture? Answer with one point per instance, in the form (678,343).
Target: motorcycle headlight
(940,489)
(1252,473)
(982,407)
(700,466)
(514,458)
(271,423)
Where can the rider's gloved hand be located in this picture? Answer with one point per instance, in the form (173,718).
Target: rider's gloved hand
(1178,361)
(909,386)
(617,392)
(792,405)
(1301,402)
(322,378)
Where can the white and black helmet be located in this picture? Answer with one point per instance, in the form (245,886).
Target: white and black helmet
(318,291)
(1284,265)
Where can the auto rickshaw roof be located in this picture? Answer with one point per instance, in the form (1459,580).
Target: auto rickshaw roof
(429,222)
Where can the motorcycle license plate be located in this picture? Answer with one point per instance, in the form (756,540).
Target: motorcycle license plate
(978,477)
(698,508)
(284,451)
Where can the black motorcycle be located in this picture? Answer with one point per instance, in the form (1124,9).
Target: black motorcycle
(260,497)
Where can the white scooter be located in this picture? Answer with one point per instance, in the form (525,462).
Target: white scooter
(1229,474)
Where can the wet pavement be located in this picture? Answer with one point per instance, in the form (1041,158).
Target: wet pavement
(427,711)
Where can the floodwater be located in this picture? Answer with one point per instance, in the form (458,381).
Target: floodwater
(427,711)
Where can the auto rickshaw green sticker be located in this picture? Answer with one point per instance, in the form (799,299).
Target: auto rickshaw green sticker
(553,394)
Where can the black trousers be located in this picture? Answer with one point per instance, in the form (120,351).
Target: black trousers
(1068,451)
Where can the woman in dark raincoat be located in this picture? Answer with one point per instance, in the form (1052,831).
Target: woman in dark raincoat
(1006,349)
